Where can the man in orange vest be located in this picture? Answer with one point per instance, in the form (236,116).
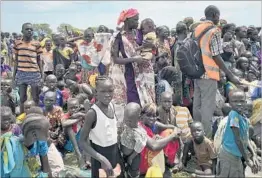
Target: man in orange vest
(205,88)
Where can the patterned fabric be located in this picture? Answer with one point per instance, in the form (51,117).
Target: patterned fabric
(59,98)
(126,14)
(216,44)
(47,58)
(134,139)
(27,53)
(164,48)
(167,117)
(123,77)
(255,49)
(29,78)
(162,86)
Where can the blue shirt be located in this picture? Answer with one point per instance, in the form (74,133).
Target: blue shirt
(59,99)
(239,121)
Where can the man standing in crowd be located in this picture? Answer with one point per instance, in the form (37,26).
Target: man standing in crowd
(205,88)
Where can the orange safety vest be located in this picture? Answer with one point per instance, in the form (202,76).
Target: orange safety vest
(212,69)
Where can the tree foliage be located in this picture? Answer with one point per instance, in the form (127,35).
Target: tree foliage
(62,29)
(42,27)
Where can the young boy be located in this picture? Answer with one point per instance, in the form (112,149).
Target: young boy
(203,149)
(51,83)
(235,139)
(27,105)
(47,58)
(72,124)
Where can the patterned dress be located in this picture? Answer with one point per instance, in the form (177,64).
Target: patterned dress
(131,83)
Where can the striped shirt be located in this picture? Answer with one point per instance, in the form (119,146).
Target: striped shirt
(27,53)
(183,118)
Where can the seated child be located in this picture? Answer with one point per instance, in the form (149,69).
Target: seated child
(7,98)
(203,149)
(134,139)
(71,73)
(79,71)
(54,114)
(6,122)
(242,64)
(72,123)
(21,161)
(65,93)
(51,83)
(76,88)
(235,139)
(27,105)
(149,35)
(5,69)
(60,72)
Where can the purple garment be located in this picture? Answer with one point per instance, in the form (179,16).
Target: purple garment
(132,94)
(5,68)
(139,37)
(16,130)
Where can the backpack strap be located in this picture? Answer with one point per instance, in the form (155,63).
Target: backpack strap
(203,33)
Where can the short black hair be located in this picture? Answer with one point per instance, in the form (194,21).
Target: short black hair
(181,27)
(35,110)
(102,78)
(211,10)
(226,27)
(238,29)
(27,23)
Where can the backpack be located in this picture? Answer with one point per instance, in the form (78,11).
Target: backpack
(189,56)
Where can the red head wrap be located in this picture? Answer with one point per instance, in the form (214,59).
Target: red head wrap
(126,14)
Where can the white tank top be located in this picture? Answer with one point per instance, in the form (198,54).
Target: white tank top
(104,133)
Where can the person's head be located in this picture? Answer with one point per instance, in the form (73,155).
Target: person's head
(49,99)
(161,63)
(6,85)
(59,71)
(130,18)
(242,63)
(197,132)
(188,21)
(223,78)
(149,114)
(249,108)
(55,38)
(27,31)
(19,37)
(251,76)
(81,98)
(35,110)
(162,32)
(227,37)
(61,85)
(241,32)
(212,13)
(237,100)
(51,82)
(102,29)
(132,114)
(226,108)
(6,118)
(173,32)
(62,40)
(2,35)
(73,86)
(222,22)
(230,27)
(78,66)
(7,34)
(14,35)
(48,44)
(247,54)
(111,31)
(72,68)
(27,105)
(35,128)
(104,89)
(166,100)
(73,105)
(89,35)
(169,74)
(181,28)
(147,26)
(252,34)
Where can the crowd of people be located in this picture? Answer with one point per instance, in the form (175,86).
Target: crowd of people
(122,102)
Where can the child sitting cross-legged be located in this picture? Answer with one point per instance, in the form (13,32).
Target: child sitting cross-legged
(203,149)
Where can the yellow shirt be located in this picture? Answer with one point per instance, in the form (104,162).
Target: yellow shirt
(20,119)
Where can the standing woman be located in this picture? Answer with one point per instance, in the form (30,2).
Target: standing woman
(131,84)
(163,45)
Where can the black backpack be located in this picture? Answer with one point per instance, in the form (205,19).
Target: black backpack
(189,56)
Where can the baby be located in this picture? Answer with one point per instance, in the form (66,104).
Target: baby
(149,35)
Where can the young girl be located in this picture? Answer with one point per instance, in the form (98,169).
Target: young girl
(243,65)
(101,129)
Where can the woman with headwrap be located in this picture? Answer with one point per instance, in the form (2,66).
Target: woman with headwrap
(131,84)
